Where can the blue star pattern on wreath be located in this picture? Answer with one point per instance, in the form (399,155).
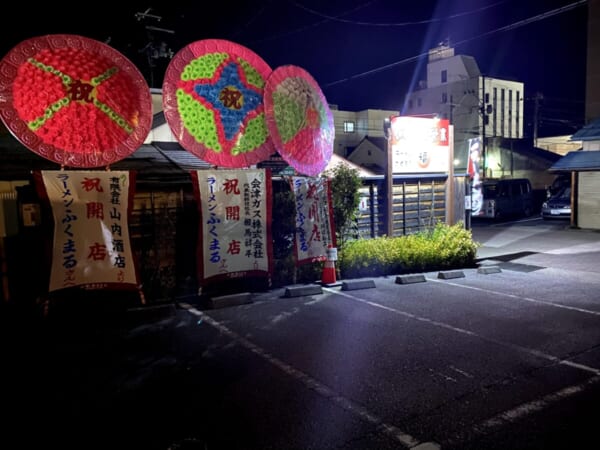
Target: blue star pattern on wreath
(231,98)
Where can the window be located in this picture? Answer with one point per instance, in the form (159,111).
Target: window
(444,76)
(502,109)
(348,126)
(410,105)
(444,97)
(419,102)
(510,104)
(495,115)
(517,110)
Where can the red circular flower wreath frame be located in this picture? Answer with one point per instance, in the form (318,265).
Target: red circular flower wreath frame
(227,125)
(74,100)
(305,142)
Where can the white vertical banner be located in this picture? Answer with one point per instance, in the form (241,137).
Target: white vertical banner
(314,218)
(235,215)
(91,246)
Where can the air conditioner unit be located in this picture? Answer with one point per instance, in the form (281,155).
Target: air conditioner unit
(9,215)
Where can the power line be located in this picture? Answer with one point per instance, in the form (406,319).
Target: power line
(524,22)
(249,22)
(313,25)
(509,27)
(393,24)
(338,18)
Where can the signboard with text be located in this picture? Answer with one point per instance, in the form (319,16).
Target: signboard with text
(235,223)
(91,247)
(314,218)
(419,145)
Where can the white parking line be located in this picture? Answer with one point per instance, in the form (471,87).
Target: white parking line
(576,249)
(522,410)
(515,414)
(518,348)
(526,299)
(405,439)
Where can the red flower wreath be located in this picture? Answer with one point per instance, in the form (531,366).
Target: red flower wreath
(85,103)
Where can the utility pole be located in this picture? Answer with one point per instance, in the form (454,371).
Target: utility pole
(485,110)
(536,110)
(154,49)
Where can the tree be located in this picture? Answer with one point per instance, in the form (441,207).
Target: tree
(345,185)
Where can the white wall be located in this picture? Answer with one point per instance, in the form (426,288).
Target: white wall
(455,67)
(591,145)
(506,119)
(461,100)
(588,208)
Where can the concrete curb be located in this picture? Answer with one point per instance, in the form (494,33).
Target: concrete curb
(357,284)
(448,274)
(489,269)
(300,291)
(145,314)
(225,301)
(409,279)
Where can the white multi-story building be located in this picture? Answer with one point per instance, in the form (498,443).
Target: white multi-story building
(475,104)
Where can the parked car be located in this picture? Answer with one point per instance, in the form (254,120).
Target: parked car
(560,182)
(505,198)
(558,206)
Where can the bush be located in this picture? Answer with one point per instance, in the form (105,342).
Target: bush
(443,247)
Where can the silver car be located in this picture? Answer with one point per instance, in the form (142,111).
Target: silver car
(558,206)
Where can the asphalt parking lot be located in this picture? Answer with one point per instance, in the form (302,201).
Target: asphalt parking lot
(476,360)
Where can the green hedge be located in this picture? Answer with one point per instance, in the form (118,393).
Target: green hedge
(444,247)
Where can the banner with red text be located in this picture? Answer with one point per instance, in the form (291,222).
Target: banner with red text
(314,218)
(235,223)
(91,247)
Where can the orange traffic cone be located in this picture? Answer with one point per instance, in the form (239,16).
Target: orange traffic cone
(328,276)
(328,273)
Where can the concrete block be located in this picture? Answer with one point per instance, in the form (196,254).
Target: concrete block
(489,269)
(300,291)
(144,314)
(412,278)
(231,300)
(427,446)
(357,284)
(334,284)
(448,274)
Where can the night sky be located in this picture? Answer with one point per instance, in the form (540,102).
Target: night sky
(364,54)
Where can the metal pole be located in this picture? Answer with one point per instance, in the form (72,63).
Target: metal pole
(483,116)
(390,187)
(469,192)
(536,111)
(511,158)
(450,189)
